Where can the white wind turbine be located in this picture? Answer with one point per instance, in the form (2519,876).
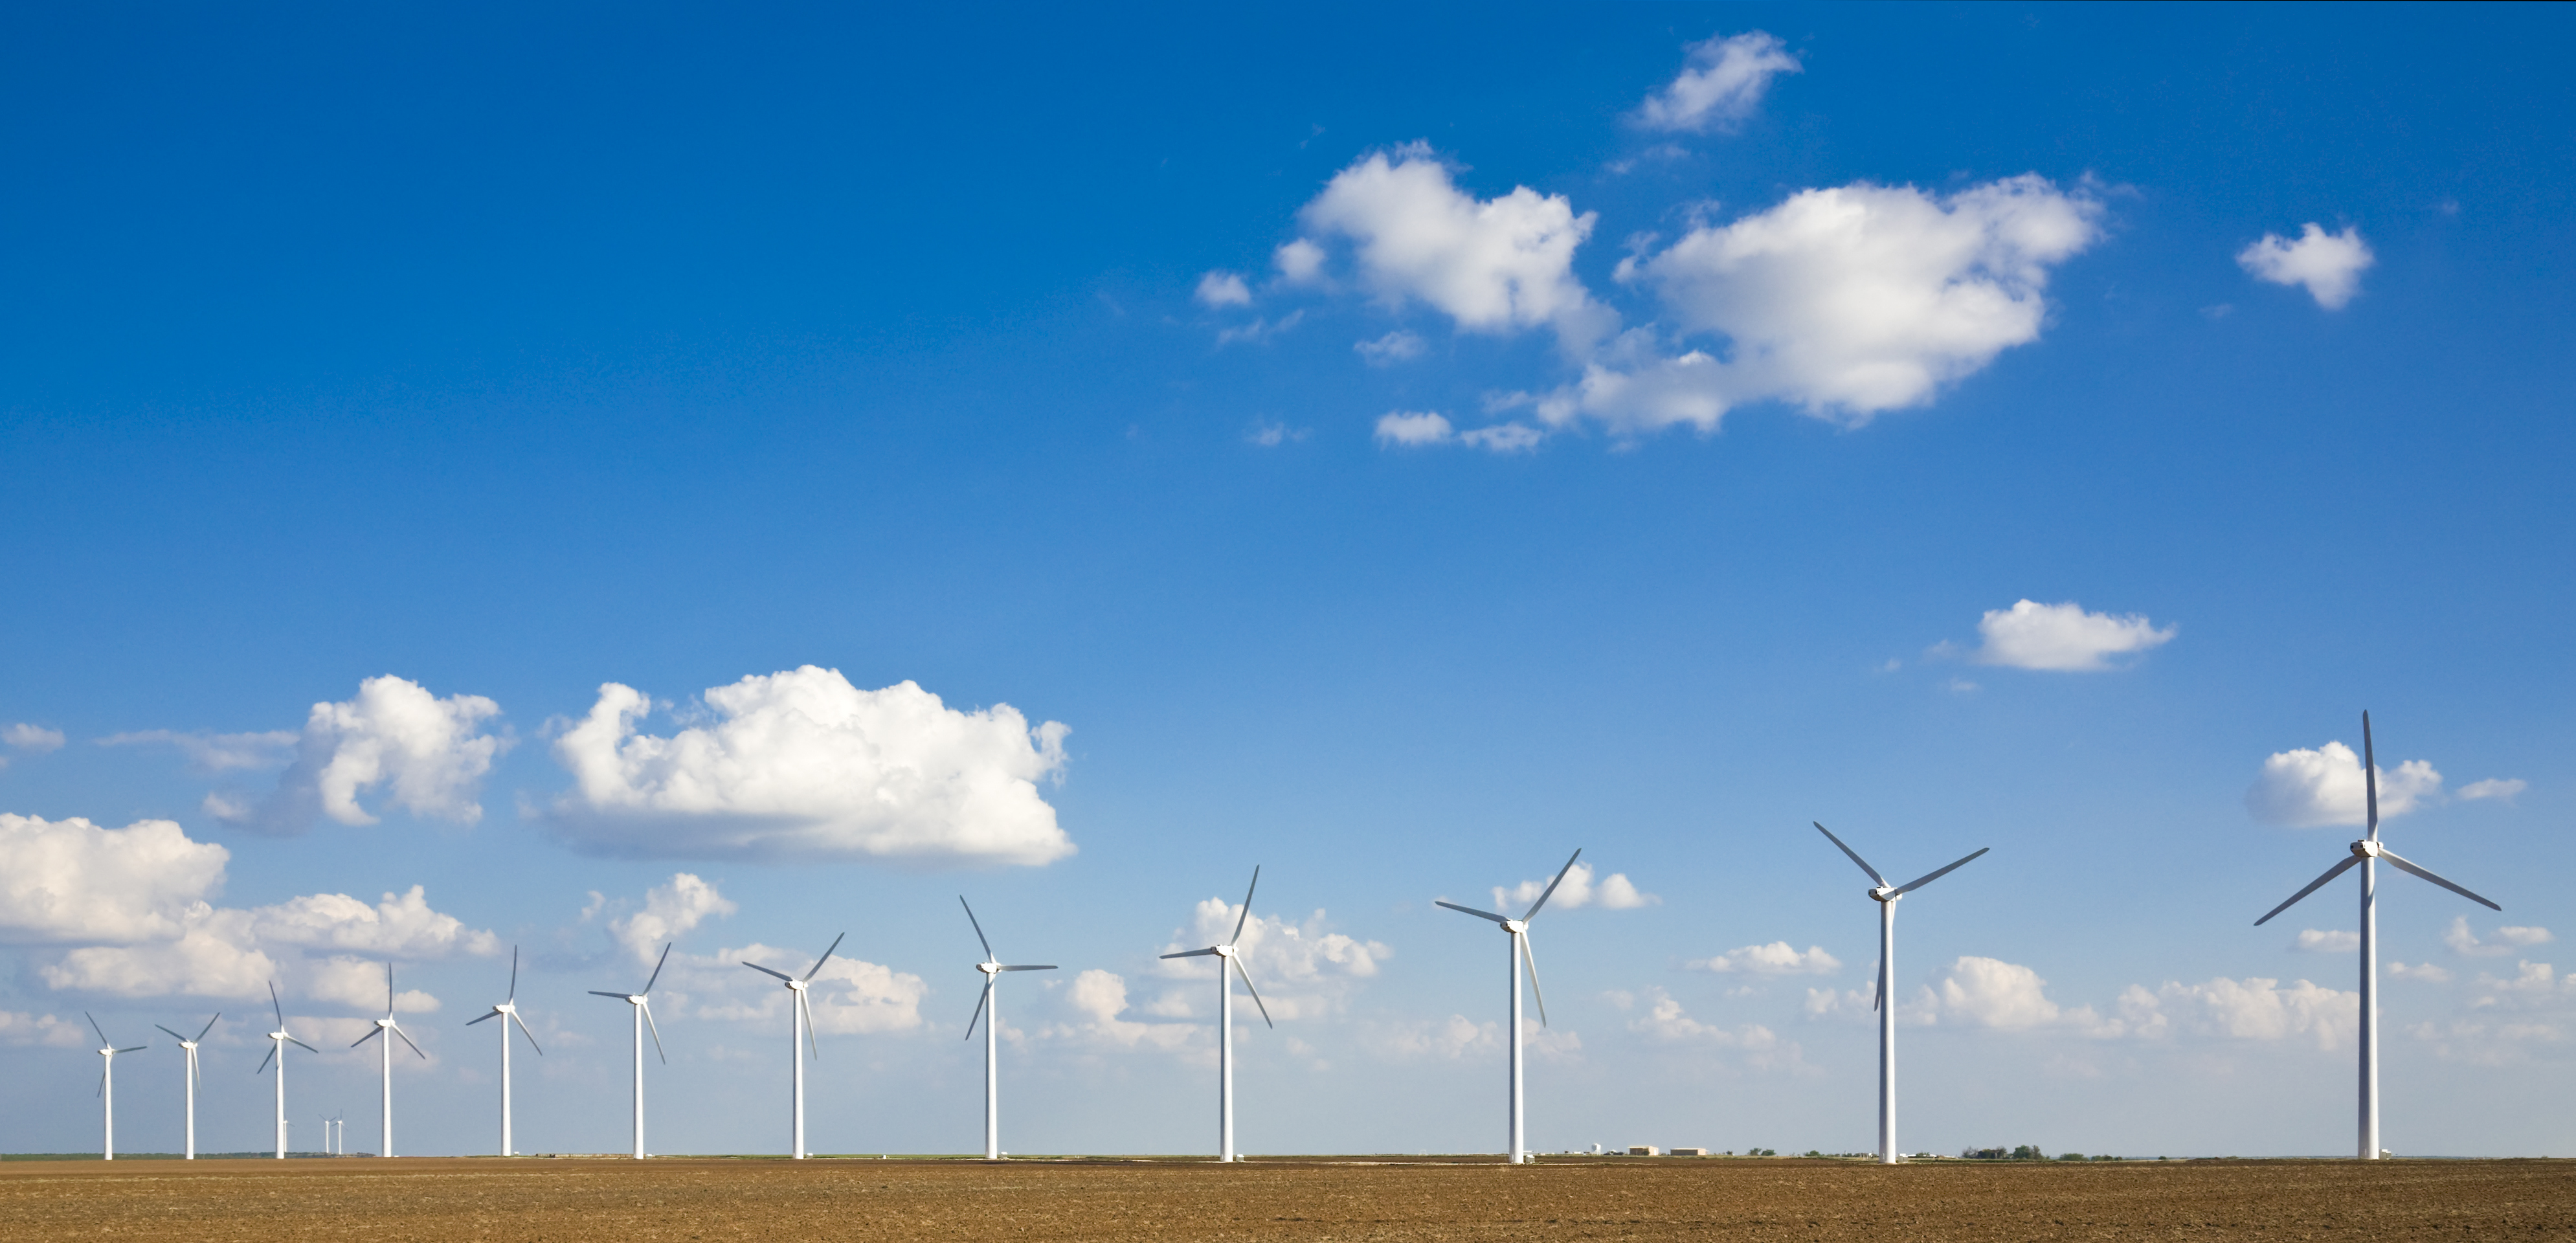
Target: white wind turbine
(992,968)
(643,1019)
(107,1081)
(1225,956)
(388,1028)
(800,1014)
(189,1077)
(2367,852)
(1884,1001)
(278,1040)
(1521,956)
(508,1013)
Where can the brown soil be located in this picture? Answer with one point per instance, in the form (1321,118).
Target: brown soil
(459,1200)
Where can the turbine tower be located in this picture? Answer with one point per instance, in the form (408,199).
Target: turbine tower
(643,1019)
(107,1082)
(1518,929)
(387,1028)
(1225,956)
(801,1014)
(189,1078)
(508,1013)
(278,1040)
(992,968)
(1885,1001)
(2367,852)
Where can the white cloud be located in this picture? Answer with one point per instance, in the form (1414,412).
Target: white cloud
(2495,787)
(1388,350)
(1777,958)
(1845,301)
(1259,329)
(2328,264)
(1302,969)
(218,753)
(400,926)
(1222,288)
(2250,1009)
(37,738)
(849,996)
(1722,86)
(1271,435)
(2063,637)
(1449,1039)
(1576,891)
(1665,1021)
(2305,789)
(804,766)
(1299,261)
(2427,972)
(1100,997)
(360,985)
(670,910)
(425,753)
(70,881)
(1413,428)
(1494,265)
(18,1027)
(2507,939)
(2010,997)
(2316,941)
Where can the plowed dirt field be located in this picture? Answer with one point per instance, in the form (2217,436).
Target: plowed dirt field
(580,1201)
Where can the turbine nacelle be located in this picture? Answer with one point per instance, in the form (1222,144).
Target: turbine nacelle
(2365,849)
(1883,893)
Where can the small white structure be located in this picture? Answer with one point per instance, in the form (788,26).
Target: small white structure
(1690,1152)
(1644,1150)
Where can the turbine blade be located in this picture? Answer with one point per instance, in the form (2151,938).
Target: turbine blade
(2391,856)
(1193,953)
(827,957)
(407,1040)
(371,1034)
(101,1090)
(766,971)
(806,1008)
(980,999)
(93,1026)
(657,969)
(496,1013)
(1855,855)
(263,1062)
(301,1045)
(1247,905)
(1047,966)
(1928,878)
(1877,993)
(1247,987)
(1551,886)
(532,1036)
(136,1049)
(979,927)
(389,989)
(274,1004)
(514,974)
(655,1028)
(210,1025)
(2370,776)
(620,996)
(2313,886)
(1530,959)
(1473,911)
(173,1035)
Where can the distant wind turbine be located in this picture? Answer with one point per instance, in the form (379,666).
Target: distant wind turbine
(1521,956)
(801,1014)
(107,1082)
(2367,852)
(508,1013)
(643,1020)
(278,1040)
(389,1029)
(189,1077)
(1885,1001)
(1225,956)
(988,1008)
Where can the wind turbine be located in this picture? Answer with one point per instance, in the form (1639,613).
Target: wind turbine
(508,1013)
(189,1047)
(1519,932)
(801,1014)
(388,1028)
(643,1019)
(992,968)
(1225,957)
(107,1081)
(2367,852)
(1886,895)
(278,1040)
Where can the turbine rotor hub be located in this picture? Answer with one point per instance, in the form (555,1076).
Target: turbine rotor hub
(1884,893)
(989,968)
(1515,925)
(1225,951)
(2365,849)
(798,985)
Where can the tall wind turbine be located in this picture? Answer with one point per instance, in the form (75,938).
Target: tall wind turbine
(1226,957)
(992,968)
(1885,1001)
(1521,956)
(107,1081)
(508,1013)
(389,1029)
(278,1040)
(800,1015)
(189,1047)
(2367,852)
(643,1019)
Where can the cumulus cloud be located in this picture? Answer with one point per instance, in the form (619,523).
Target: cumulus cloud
(2507,941)
(2063,637)
(18,1027)
(36,738)
(2328,264)
(1846,302)
(2318,941)
(360,985)
(1721,86)
(849,996)
(1777,958)
(2308,788)
(1271,435)
(1098,999)
(1492,265)
(1665,1021)
(802,765)
(1989,992)
(426,755)
(2495,787)
(1299,261)
(670,910)
(1577,890)
(1448,1039)
(217,753)
(2426,972)
(70,881)
(1302,969)
(1388,350)
(2249,1009)
(1222,288)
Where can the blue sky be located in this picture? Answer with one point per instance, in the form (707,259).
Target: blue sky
(1082,370)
